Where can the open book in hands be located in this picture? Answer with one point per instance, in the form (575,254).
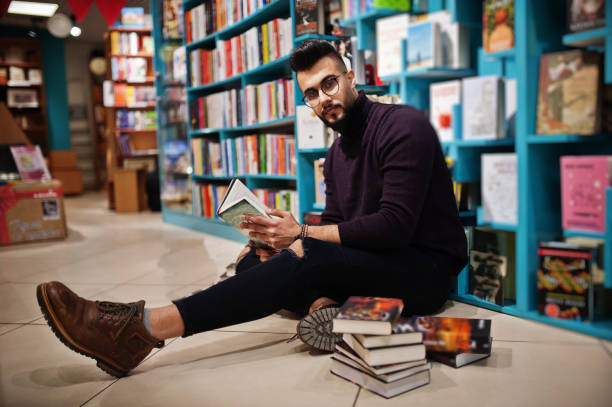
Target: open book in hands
(239,200)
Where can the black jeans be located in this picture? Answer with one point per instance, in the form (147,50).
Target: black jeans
(331,270)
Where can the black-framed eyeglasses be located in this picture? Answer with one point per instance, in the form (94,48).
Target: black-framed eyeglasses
(330,86)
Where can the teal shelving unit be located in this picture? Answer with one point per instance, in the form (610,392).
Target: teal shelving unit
(168,128)
(276,69)
(539,28)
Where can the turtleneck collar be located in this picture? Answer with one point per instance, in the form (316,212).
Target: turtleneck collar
(354,124)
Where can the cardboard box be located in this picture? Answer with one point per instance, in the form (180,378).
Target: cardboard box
(32,211)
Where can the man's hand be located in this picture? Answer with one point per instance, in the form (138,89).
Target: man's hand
(266,254)
(277,233)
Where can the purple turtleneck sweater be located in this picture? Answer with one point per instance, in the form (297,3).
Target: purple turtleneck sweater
(388,187)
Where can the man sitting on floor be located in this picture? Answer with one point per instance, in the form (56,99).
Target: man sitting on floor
(391,229)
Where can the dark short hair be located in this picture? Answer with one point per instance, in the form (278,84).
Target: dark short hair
(310,52)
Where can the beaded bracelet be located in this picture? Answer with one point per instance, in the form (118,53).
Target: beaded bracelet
(303,231)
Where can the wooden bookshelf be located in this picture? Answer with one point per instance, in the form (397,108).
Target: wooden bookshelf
(23,56)
(126,143)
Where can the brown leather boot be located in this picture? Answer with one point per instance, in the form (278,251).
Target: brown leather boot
(315,329)
(111,333)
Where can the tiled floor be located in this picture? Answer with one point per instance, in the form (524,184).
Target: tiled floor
(126,257)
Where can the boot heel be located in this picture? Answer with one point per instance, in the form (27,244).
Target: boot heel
(111,370)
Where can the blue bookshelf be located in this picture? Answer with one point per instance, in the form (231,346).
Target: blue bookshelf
(169,128)
(539,28)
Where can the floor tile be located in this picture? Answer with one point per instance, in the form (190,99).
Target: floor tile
(231,369)
(607,346)
(38,370)
(279,323)
(19,305)
(516,374)
(4,328)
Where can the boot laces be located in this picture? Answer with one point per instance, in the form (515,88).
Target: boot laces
(117,313)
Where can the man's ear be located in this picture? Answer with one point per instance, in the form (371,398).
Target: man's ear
(350,75)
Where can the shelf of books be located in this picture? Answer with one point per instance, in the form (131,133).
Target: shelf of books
(22,87)
(496,115)
(239,110)
(175,168)
(129,97)
(498,80)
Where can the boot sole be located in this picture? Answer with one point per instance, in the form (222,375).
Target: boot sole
(315,329)
(63,336)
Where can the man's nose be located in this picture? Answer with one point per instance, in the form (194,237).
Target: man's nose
(323,98)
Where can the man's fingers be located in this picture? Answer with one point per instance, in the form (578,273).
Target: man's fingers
(277,212)
(259,220)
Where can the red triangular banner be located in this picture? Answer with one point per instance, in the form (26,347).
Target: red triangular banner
(110,9)
(80,8)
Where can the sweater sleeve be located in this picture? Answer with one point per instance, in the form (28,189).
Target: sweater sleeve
(405,146)
(331,213)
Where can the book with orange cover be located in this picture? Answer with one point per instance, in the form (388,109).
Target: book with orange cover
(367,315)
(451,335)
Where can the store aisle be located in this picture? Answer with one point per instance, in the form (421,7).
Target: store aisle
(124,257)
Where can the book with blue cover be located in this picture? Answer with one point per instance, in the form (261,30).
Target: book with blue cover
(423,45)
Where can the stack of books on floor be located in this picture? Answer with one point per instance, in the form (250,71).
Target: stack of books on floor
(370,355)
(388,354)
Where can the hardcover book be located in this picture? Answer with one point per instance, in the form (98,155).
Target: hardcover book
(454,40)
(387,378)
(343,349)
(583,15)
(390,32)
(483,108)
(442,97)
(310,129)
(487,273)
(385,355)
(239,200)
(458,360)
(499,188)
(583,185)
(423,45)
(453,335)
(498,25)
(30,163)
(319,181)
(569,93)
(367,315)
(378,386)
(309,17)
(565,288)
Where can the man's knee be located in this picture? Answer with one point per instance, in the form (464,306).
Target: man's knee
(297,248)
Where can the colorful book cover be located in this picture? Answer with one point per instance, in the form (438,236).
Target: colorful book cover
(450,335)
(442,97)
(583,191)
(370,309)
(400,5)
(30,163)
(569,93)
(423,45)
(498,25)
(487,272)
(306,17)
(583,15)
(458,360)
(565,288)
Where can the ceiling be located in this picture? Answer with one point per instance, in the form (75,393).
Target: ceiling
(93,25)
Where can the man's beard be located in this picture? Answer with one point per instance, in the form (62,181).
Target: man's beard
(337,125)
